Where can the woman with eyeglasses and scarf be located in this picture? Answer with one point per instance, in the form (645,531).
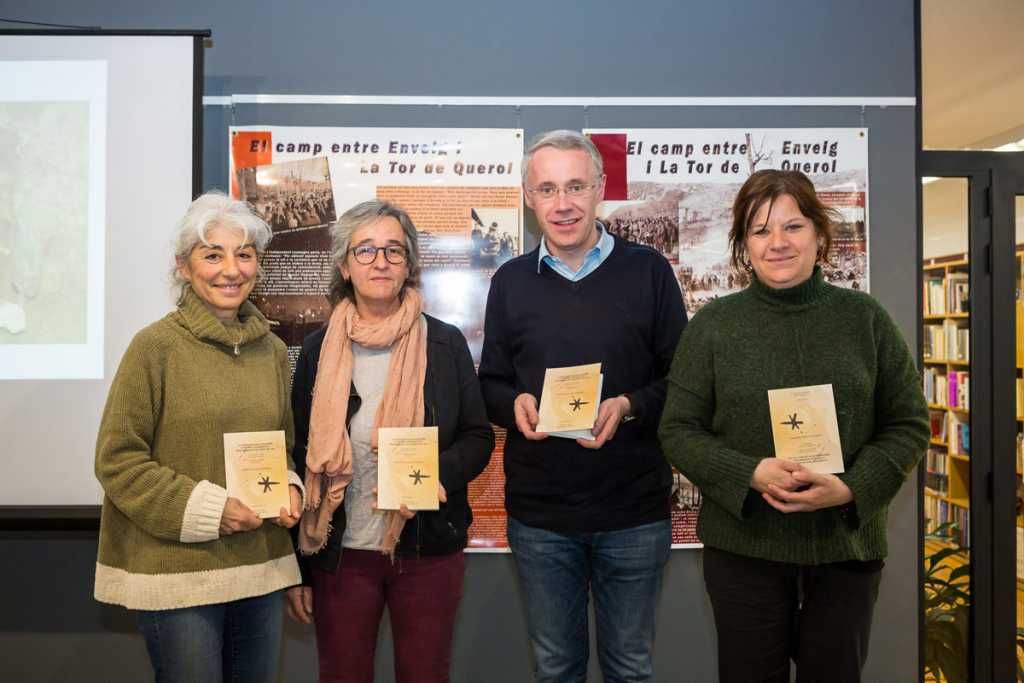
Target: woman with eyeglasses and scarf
(381,362)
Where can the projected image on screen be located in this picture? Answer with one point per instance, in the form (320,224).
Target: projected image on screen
(53,123)
(97,165)
(44,164)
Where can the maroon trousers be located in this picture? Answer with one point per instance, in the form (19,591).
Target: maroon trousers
(422,596)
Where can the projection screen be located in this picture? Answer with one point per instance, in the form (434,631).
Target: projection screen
(100,149)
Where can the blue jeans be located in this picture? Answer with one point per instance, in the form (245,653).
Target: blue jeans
(231,641)
(557,572)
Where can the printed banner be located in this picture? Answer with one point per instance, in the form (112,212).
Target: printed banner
(462,189)
(673,189)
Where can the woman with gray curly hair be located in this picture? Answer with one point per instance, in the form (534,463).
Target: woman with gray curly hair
(202,570)
(381,362)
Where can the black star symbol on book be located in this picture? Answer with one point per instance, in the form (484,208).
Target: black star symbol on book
(576,403)
(266,484)
(793,422)
(418,477)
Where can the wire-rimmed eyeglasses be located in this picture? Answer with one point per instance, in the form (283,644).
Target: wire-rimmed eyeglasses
(574,190)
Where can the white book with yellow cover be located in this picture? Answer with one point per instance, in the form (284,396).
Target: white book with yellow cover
(407,468)
(569,401)
(805,428)
(256,470)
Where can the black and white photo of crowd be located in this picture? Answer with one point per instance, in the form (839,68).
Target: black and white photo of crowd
(290,195)
(653,224)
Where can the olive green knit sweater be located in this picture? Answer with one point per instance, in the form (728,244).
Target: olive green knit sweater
(160,459)
(716,427)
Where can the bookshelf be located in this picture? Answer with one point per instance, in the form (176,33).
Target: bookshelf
(946,376)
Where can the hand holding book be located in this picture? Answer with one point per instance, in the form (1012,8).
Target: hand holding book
(525,411)
(442,497)
(609,416)
(790,487)
(569,401)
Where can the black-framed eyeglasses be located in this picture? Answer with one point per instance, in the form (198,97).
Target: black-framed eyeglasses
(367,254)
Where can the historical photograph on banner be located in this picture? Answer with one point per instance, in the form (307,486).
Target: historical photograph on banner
(294,194)
(673,190)
(462,189)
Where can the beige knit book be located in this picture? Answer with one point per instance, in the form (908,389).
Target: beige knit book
(407,468)
(256,470)
(569,400)
(804,427)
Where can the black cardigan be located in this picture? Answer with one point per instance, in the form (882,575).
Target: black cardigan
(465,438)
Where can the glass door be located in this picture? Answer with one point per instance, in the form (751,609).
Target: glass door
(945,372)
(972,364)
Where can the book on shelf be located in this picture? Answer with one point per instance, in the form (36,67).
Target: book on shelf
(962,517)
(936,461)
(938,420)
(938,511)
(957,339)
(959,389)
(934,296)
(935,387)
(938,483)
(933,340)
(959,436)
(958,291)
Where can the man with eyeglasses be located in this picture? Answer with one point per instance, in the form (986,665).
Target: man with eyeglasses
(585,516)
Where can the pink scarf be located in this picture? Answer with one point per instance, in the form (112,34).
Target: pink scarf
(329,452)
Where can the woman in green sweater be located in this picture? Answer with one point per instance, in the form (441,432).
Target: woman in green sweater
(792,557)
(202,569)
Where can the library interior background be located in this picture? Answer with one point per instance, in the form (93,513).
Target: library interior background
(972,336)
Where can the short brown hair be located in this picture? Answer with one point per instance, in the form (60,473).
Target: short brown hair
(767,186)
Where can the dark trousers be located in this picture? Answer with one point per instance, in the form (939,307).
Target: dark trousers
(767,613)
(422,596)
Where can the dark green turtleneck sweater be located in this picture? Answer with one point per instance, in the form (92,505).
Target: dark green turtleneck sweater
(715,427)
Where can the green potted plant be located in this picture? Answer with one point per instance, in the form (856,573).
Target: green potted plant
(947,609)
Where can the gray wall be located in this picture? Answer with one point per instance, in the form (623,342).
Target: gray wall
(51,630)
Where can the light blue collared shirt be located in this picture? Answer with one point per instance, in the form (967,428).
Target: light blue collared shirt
(594,257)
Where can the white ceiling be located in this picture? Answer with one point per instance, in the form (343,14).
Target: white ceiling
(972,55)
(972,72)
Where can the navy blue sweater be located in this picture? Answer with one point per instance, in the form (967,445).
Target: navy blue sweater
(627,315)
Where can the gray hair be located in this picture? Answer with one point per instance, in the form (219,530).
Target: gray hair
(565,140)
(216,209)
(341,241)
